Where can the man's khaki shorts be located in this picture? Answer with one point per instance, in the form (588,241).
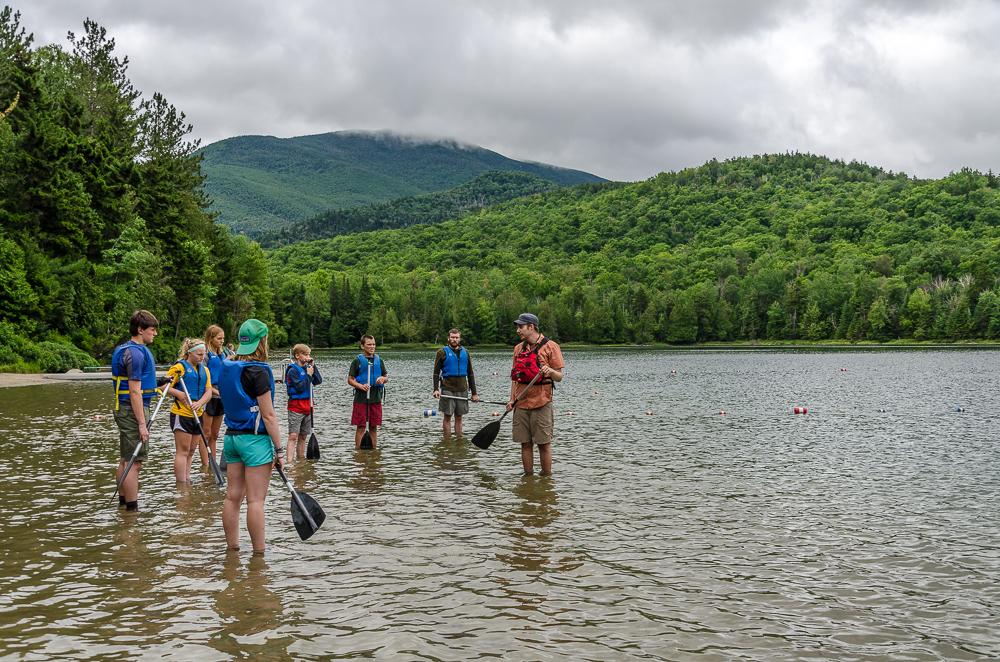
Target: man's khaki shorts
(533,426)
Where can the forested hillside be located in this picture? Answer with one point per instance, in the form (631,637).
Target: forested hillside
(102,211)
(780,247)
(260,184)
(484,191)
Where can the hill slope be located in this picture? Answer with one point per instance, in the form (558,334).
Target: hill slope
(777,246)
(483,191)
(261,183)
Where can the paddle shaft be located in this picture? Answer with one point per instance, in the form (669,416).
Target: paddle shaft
(197,420)
(521,394)
(487,402)
(295,496)
(138,446)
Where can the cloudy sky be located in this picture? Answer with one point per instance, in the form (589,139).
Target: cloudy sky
(620,89)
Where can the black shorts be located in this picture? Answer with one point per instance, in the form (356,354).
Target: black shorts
(214,407)
(183,423)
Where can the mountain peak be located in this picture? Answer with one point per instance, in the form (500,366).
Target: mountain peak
(261,183)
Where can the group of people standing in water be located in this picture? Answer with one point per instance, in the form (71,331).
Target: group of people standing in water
(211,383)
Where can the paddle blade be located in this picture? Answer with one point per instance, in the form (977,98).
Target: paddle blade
(366,441)
(299,519)
(312,448)
(485,437)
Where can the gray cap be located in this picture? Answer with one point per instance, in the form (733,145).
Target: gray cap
(527,318)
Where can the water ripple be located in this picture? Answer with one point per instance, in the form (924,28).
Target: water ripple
(864,530)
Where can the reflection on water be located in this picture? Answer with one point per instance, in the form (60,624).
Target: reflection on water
(527,524)
(864,530)
(368,478)
(250,612)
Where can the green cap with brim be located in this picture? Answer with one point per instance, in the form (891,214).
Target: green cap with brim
(250,336)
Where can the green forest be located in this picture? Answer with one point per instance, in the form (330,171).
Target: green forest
(777,247)
(103,210)
(483,191)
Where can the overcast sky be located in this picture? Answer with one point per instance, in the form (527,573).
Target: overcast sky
(621,89)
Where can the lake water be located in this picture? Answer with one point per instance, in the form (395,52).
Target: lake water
(867,529)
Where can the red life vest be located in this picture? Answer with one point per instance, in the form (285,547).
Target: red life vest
(526,364)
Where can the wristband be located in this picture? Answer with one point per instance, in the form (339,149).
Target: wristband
(278,450)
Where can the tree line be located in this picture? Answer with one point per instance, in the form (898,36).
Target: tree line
(787,247)
(102,210)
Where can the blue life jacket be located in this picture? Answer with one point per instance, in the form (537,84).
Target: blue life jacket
(120,375)
(214,363)
(299,375)
(362,377)
(455,365)
(196,380)
(242,411)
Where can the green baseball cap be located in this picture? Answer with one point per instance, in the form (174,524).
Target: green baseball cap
(250,335)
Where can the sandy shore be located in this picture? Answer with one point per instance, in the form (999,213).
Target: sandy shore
(11,379)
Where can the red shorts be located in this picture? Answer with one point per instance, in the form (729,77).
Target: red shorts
(361,411)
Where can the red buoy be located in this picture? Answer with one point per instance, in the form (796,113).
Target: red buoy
(799,410)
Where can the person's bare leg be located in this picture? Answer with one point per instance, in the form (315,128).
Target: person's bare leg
(235,491)
(257,481)
(202,452)
(545,458)
(446,425)
(359,432)
(130,487)
(293,440)
(182,456)
(211,426)
(458,426)
(527,459)
(374,431)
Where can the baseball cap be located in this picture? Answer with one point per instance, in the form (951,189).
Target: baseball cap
(527,318)
(250,335)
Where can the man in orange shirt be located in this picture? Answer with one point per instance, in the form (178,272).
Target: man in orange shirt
(533,418)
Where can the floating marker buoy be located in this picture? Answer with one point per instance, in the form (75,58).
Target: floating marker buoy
(722,412)
(569,413)
(430,412)
(959,408)
(649,412)
(496,413)
(800,410)
(843,369)
(882,410)
(673,371)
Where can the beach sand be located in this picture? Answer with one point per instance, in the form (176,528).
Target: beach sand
(11,379)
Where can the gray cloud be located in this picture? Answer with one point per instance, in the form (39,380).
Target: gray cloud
(624,90)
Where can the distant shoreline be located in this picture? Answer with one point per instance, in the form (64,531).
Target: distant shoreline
(13,379)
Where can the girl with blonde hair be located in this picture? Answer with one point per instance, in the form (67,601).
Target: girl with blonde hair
(191,368)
